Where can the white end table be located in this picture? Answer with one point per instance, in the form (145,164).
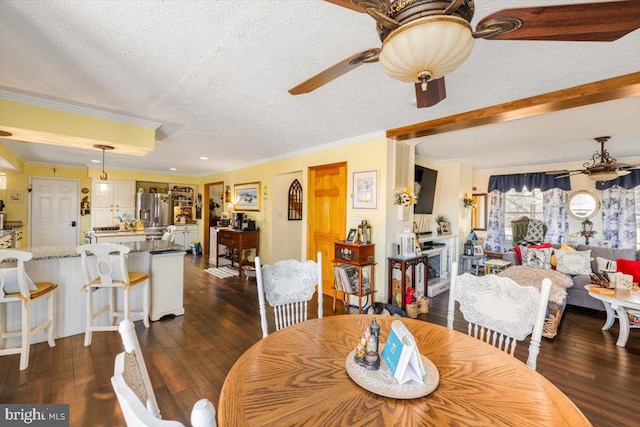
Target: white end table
(615,306)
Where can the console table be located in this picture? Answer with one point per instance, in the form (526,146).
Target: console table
(402,264)
(240,241)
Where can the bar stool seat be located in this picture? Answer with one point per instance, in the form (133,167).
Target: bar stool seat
(107,269)
(16,286)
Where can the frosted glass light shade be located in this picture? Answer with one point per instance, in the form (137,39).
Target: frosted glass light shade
(433,44)
(603,176)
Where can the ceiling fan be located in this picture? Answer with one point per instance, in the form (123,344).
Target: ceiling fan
(601,167)
(422,40)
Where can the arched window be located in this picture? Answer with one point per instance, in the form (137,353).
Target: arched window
(295,201)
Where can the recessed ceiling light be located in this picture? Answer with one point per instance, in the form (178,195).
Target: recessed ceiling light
(204,158)
(173,169)
(95,161)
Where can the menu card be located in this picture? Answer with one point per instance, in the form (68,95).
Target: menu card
(402,356)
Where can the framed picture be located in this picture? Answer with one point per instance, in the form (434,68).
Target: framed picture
(247,196)
(477,250)
(15,196)
(353,233)
(445,228)
(365,190)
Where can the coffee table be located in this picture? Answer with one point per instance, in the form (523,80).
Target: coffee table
(496,265)
(615,306)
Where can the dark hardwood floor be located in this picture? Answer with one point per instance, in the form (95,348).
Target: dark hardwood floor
(189,356)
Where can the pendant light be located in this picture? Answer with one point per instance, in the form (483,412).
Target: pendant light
(103,184)
(3,176)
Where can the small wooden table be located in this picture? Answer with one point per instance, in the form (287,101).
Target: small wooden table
(297,376)
(496,265)
(402,264)
(239,240)
(615,306)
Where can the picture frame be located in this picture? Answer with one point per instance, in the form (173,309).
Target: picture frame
(478,251)
(445,228)
(15,196)
(247,196)
(365,189)
(353,234)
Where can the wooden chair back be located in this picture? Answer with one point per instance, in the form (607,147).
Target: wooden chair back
(499,311)
(288,286)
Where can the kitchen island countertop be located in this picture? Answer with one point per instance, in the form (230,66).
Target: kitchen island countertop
(69,251)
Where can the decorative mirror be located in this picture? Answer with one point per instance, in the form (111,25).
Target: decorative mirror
(479,212)
(583,204)
(295,201)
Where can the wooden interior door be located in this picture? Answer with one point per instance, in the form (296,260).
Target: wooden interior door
(327,215)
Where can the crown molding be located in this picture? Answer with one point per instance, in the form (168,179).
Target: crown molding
(39,101)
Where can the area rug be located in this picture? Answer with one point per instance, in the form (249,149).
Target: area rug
(222,272)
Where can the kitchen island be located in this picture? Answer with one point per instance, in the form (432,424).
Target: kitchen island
(61,265)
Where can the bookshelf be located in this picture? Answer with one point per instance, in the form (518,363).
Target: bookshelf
(361,257)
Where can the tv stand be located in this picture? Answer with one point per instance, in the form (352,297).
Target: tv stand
(446,247)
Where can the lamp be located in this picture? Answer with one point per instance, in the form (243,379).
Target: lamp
(603,176)
(587,230)
(426,48)
(103,184)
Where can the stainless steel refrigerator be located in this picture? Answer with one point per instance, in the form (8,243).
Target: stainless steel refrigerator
(154,209)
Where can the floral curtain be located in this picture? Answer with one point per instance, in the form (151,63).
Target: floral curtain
(554,215)
(495,225)
(619,217)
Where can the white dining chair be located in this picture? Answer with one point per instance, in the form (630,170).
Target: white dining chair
(17,287)
(499,311)
(288,286)
(134,391)
(104,266)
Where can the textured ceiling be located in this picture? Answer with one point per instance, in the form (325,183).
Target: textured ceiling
(216,75)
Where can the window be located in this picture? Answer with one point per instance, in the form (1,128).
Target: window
(518,204)
(295,201)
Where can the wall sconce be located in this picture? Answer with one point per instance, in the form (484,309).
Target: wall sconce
(587,230)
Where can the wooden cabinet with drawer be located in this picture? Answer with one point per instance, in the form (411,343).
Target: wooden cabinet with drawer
(237,242)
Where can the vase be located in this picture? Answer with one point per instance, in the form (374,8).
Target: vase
(403,213)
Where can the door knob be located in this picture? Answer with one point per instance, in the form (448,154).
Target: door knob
(73,223)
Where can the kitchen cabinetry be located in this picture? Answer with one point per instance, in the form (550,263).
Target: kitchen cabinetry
(183,199)
(167,284)
(118,200)
(185,234)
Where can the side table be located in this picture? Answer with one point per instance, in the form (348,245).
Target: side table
(469,259)
(402,264)
(496,265)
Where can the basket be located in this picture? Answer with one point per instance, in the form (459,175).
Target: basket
(551,323)
(423,305)
(412,310)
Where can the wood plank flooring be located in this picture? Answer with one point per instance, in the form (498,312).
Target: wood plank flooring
(189,356)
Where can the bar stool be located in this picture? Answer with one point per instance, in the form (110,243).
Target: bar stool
(108,270)
(16,286)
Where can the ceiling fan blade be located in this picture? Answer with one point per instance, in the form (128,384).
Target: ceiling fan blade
(435,93)
(336,71)
(347,4)
(605,21)
(563,171)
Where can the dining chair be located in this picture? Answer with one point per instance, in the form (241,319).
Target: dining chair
(288,286)
(17,287)
(499,311)
(169,235)
(107,270)
(134,391)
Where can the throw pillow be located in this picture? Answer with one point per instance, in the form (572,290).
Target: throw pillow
(628,266)
(554,260)
(535,230)
(606,264)
(518,249)
(9,277)
(536,258)
(575,263)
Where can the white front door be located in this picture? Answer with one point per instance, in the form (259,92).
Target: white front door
(54,212)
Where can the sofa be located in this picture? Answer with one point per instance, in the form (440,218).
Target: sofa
(577,295)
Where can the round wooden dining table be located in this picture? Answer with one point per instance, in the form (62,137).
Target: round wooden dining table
(297,376)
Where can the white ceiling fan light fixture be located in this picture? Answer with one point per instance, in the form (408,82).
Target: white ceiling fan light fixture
(426,49)
(103,183)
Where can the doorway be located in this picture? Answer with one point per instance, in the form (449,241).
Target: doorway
(53,211)
(327,215)
(213,207)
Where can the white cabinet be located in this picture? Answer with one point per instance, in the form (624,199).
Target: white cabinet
(167,284)
(120,199)
(185,234)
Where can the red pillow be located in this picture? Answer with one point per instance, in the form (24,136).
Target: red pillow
(519,250)
(627,266)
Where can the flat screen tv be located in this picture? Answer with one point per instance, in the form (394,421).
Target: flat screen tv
(425,189)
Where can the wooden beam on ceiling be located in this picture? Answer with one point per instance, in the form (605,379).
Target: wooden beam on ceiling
(578,96)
